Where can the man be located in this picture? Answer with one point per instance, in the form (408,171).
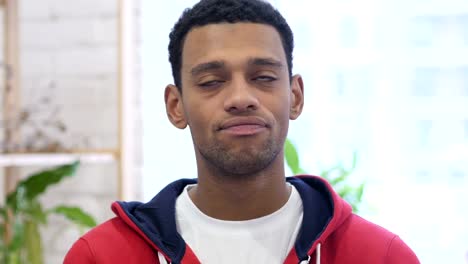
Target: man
(234,89)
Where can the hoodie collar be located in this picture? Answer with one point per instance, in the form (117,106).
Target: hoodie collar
(155,221)
(318,211)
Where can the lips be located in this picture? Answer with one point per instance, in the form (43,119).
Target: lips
(243,126)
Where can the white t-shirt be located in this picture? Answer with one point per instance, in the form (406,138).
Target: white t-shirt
(267,239)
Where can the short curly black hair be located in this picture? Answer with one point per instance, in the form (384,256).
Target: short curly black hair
(226,11)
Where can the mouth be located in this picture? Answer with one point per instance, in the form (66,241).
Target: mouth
(243,126)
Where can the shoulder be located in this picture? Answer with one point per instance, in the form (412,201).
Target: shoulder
(358,226)
(358,237)
(110,242)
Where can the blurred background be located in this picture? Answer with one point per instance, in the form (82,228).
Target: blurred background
(386,80)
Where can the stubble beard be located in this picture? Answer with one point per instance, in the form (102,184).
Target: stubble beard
(244,162)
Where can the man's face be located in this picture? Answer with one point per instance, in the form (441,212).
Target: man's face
(237,97)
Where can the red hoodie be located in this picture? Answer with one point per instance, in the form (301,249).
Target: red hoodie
(330,233)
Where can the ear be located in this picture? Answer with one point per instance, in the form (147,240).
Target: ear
(297,97)
(174,107)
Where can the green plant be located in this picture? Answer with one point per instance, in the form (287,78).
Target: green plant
(337,176)
(22,215)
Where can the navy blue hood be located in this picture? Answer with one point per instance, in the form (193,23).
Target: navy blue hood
(156,219)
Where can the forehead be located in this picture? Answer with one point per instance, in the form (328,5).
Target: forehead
(231,43)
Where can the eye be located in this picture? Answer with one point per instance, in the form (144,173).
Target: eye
(265,78)
(212,83)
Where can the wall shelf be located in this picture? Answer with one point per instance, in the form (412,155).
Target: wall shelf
(52,159)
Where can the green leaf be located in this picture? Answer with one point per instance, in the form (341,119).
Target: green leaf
(18,236)
(35,212)
(13,257)
(292,158)
(33,243)
(16,199)
(337,175)
(326,174)
(360,192)
(31,187)
(354,162)
(3,215)
(341,178)
(75,214)
(345,191)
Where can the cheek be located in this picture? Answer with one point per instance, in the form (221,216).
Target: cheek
(284,123)
(201,111)
(281,106)
(281,111)
(198,120)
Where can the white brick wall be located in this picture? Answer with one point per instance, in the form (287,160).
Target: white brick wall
(86,61)
(39,63)
(66,33)
(31,9)
(69,52)
(74,61)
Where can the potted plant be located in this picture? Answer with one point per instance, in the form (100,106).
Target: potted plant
(22,215)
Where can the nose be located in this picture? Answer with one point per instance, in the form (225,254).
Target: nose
(240,97)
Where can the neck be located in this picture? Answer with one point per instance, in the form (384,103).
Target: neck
(228,197)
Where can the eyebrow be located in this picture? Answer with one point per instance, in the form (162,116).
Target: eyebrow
(207,66)
(265,62)
(216,65)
